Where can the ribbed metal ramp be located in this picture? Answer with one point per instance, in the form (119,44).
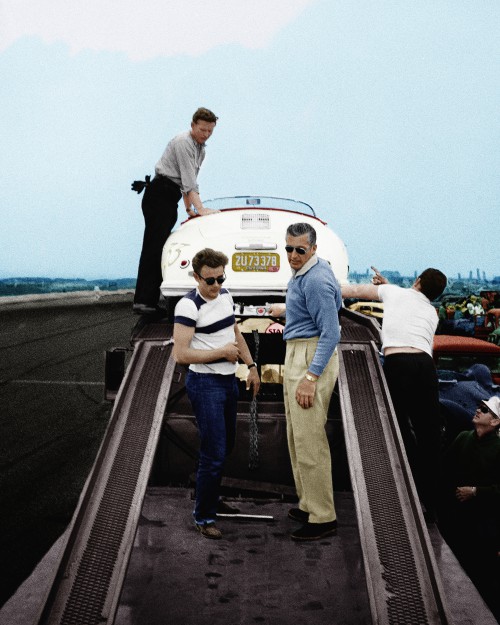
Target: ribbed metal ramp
(402,577)
(90,575)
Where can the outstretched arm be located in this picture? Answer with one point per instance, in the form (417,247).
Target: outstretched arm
(366,291)
(361,291)
(277,310)
(187,204)
(193,199)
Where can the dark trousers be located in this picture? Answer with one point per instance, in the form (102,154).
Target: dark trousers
(413,384)
(214,399)
(159,207)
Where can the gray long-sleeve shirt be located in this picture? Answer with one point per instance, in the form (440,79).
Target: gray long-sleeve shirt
(181,161)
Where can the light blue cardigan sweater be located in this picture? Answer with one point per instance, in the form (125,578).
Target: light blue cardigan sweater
(313,300)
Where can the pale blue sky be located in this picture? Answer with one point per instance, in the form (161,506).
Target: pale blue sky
(382,114)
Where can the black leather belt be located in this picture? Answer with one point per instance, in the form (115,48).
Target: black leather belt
(167,181)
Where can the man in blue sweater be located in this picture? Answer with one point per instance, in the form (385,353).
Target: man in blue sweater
(311,370)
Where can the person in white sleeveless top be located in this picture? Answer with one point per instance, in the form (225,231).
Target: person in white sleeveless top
(409,324)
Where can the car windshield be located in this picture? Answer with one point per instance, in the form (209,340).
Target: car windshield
(259,202)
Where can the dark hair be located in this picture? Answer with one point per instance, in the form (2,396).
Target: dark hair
(298,229)
(204,115)
(432,283)
(208,258)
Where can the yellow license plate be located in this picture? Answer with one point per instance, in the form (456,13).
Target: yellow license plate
(256,261)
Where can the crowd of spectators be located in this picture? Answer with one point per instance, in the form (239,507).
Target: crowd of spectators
(470,316)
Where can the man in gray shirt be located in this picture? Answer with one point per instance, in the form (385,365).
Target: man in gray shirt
(175,175)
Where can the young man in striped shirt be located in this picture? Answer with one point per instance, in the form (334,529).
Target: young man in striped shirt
(207,337)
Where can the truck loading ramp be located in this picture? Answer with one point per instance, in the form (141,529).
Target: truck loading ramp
(402,578)
(88,581)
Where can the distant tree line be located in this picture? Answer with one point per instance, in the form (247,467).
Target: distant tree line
(33,286)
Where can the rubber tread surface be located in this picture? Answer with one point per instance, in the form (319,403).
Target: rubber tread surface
(404,592)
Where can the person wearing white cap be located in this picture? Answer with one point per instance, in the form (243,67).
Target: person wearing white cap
(494,405)
(470,515)
(478,451)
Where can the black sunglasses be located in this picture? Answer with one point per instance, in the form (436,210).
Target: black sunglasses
(484,409)
(211,281)
(300,250)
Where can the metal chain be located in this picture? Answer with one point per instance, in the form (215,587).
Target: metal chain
(253,450)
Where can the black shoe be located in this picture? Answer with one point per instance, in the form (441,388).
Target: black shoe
(144,309)
(315,531)
(225,508)
(298,515)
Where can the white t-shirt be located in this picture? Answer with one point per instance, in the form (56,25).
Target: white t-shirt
(213,321)
(410,320)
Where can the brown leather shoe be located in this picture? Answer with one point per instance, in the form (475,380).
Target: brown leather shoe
(209,531)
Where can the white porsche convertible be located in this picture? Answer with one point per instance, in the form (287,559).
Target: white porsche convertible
(251,231)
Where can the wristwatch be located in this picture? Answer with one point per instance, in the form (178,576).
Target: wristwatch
(309,377)
(252,364)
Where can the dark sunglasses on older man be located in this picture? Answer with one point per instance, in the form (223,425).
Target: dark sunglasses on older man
(483,409)
(211,281)
(300,250)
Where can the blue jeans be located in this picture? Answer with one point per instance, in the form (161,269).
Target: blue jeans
(214,399)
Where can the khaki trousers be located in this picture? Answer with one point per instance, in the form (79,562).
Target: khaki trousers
(307,439)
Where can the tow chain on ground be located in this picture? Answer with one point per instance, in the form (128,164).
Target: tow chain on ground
(253,451)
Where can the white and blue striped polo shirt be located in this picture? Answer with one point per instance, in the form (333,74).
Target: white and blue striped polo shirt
(213,321)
